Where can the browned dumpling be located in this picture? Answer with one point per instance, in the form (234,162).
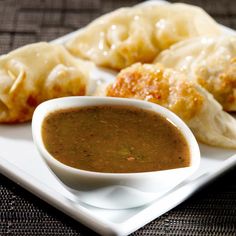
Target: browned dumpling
(210,62)
(137,34)
(35,73)
(171,89)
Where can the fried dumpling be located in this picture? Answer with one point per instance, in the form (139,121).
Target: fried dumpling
(35,73)
(171,89)
(137,34)
(209,61)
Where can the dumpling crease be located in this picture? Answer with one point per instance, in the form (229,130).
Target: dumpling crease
(137,34)
(208,61)
(35,73)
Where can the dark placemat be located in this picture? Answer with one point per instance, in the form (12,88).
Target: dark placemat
(210,212)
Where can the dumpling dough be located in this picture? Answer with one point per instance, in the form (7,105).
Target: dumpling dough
(137,34)
(35,73)
(171,89)
(209,61)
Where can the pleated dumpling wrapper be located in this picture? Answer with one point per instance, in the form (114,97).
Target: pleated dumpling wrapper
(35,73)
(171,89)
(210,62)
(137,34)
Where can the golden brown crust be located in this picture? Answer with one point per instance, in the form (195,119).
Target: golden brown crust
(171,89)
(162,86)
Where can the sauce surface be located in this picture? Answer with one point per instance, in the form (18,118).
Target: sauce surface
(114,139)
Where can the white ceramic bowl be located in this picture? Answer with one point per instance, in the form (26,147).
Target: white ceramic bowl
(111,190)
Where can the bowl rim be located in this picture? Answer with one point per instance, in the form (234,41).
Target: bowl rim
(45,108)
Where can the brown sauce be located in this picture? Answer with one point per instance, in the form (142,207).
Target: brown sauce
(114,139)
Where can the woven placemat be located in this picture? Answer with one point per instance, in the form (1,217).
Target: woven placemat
(210,212)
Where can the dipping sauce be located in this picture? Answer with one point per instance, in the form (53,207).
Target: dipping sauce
(114,139)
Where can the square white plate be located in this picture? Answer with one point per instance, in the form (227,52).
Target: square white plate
(20,161)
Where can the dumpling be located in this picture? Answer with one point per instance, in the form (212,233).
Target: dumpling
(35,73)
(209,61)
(171,89)
(137,34)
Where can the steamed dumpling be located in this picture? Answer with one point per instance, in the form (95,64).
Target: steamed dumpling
(171,89)
(35,73)
(209,61)
(137,34)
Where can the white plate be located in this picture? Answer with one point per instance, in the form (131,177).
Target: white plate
(20,161)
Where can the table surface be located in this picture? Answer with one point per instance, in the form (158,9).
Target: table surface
(212,211)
